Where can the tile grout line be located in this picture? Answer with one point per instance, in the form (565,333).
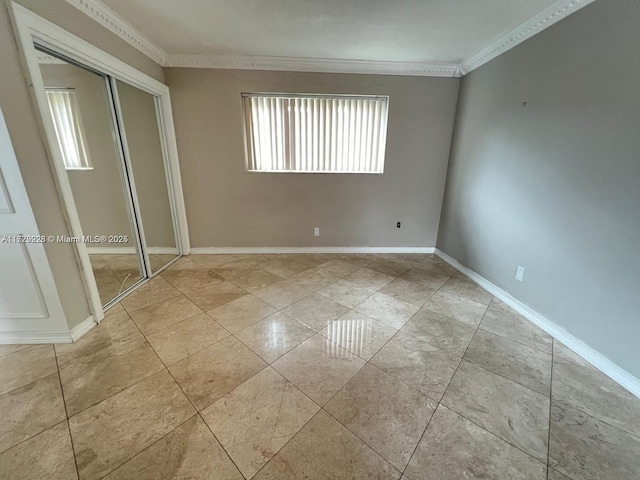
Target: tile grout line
(147,447)
(471,421)
(114,394)
(509,379)
(447,388)
(66,419)
(293,436)
(66,412)
(120,391)
(197,412)
(360,438)
(553,341)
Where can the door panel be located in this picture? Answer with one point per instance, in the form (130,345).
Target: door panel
(30,309)
(147,158)
(100,187)
(21,296)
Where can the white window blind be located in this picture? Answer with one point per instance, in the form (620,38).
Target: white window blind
(315,133)
(68,125)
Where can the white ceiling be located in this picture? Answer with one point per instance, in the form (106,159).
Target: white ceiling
(390,36)
(442,31)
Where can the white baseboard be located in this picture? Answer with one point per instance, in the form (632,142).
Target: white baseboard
(59,336)
(131,250)
(602,363)
(248,250)
(82,328)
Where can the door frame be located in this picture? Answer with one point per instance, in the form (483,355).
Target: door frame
(31,28)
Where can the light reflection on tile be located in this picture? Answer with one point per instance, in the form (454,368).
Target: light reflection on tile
(359,334)
(274,336)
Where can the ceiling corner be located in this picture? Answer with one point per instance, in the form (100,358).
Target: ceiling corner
(505,42)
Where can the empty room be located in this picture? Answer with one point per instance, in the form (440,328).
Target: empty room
(324,240)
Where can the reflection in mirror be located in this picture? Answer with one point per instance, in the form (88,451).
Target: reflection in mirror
(146,156)
(82,116)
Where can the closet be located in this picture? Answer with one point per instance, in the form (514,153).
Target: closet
(108,135)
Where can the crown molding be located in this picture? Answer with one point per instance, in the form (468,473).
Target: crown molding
(505,42)
(109,19)
(295,64)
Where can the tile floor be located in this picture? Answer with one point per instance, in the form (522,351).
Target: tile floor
(115,273)
(316,367)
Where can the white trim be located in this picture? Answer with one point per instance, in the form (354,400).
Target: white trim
(49,337)
(606,366)
(172,171)
(15,338)
(131,250)
(323,65)
(536,24)
(82,328)
(249,250)
(109,19)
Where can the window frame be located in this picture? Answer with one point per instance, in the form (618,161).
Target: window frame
(246,130)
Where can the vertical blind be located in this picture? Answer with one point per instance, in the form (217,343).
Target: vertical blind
(68,125)
(315,133)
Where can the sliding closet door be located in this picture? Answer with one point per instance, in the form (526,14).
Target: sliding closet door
(81,107)
(139,117)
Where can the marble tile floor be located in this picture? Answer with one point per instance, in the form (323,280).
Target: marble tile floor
(114,273)
(317,367)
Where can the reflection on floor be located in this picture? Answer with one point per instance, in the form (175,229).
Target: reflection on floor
(114,273)
(312,366)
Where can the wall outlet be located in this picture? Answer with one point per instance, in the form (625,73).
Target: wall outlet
(398,225)
(316,231)
(519,274)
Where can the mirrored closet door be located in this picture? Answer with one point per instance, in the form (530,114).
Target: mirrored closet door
(108,135)
(138,110)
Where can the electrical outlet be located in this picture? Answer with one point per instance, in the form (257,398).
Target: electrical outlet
(520,274)
(398,225)
(316,231)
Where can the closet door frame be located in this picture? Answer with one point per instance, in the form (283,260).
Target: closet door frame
(31,28)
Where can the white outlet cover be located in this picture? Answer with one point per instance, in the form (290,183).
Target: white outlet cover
(316,231)
(520,274)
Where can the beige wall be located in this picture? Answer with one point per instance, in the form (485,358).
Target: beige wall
(228,207)
(24,129)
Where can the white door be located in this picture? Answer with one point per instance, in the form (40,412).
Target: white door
(30,309)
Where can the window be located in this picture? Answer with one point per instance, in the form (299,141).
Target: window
(68,125)
(315,133)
